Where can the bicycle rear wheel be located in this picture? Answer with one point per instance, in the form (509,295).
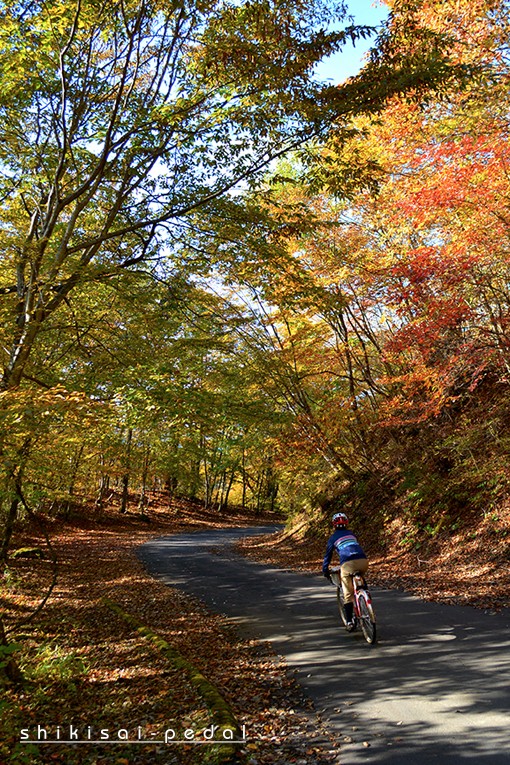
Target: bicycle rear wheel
(340,603)
(367,617)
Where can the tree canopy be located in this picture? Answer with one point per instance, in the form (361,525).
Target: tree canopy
(226,279)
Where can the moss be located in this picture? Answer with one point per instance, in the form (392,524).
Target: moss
(221,713)
(28,552)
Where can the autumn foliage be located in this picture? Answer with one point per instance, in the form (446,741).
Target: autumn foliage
(226,281)
(401,345)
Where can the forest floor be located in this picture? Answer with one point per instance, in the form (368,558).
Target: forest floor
(85,667)
(469,566)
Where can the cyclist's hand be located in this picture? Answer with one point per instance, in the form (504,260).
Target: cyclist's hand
(327,574)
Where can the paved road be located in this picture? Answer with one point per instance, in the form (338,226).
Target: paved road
(434,691)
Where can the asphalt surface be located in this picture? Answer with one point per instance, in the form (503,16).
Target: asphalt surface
(435,690)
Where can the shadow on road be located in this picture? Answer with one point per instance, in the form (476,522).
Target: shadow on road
(433,690)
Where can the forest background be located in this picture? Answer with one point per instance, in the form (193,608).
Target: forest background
(225,280)
(184,311)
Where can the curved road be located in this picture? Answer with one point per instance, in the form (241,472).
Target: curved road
(435,690)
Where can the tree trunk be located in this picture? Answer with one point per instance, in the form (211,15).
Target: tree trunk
(171,483)
(195,479)
(210,480)
(259,487)
(9,528)
(103,488)
(10,669)
(243,473)
(125,477)
(221,491)
(66,510)
(13,487)
(229,486)
(145,471)
(274,494)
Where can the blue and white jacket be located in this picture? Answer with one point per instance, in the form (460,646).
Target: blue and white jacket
(346,545)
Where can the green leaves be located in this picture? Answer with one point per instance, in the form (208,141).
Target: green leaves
(134,141)
(6,652)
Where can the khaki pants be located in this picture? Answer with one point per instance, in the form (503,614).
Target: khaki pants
(359,564)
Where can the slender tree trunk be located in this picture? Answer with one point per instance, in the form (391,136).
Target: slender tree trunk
(203,449)
(12,514)
(74,472)
(210,482)
(125,477)
(170,484)
(229,487)
(259,486)
(195,479)
(145,471)
(210,487)
(216,503)
(206,484)
(274,494)
(10,669)
(221,491)
(243,473)
(16,478)
(103,488)
(76,465)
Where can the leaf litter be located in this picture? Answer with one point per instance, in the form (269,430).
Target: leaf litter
(86,668)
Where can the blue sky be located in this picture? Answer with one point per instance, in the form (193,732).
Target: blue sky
(348,62)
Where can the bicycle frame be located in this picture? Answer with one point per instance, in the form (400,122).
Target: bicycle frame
(363,609)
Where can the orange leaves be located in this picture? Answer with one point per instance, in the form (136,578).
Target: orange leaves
(463,175)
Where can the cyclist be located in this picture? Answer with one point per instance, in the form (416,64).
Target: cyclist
(352,558)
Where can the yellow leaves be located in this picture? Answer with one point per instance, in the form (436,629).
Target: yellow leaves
(30,413)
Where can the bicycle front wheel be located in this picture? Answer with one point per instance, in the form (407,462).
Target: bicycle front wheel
(340,603)
(367,617)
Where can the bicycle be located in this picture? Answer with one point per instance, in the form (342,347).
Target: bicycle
(364,614)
